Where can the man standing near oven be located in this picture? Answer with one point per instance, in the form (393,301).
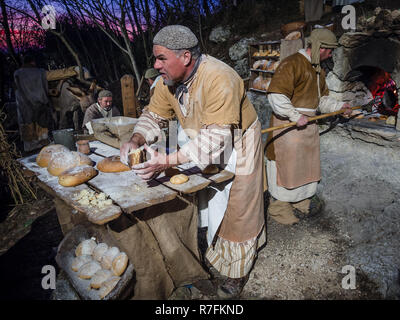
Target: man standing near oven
(296,91)
(209,100)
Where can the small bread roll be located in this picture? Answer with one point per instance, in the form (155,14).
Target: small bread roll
(80,261)
(99,251)
(211,169)
(47,152)
(89,269)
(85,247)
(135,157)
(169,172)
(108,286)
(119,264)
(179,179)
(108,257)
(293,35)
(100,277)
(259,64)
(112,164)
(257,82)
(77,175)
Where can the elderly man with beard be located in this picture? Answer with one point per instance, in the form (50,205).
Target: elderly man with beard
(209,100)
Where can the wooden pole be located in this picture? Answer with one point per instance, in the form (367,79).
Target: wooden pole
(129,100)
(326,115)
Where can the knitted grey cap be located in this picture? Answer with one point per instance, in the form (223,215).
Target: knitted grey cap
(175,37)
(151,73)
(105,93)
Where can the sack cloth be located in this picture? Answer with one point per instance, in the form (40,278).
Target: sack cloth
(162,242)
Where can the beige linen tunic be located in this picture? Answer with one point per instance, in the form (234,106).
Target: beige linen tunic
(296,150)
(283,107)
(217,96)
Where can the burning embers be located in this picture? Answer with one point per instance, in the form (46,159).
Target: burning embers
(383,89)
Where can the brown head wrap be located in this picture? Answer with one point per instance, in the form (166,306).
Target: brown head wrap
(321,38)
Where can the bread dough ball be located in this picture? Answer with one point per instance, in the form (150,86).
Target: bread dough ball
(80,261)
(89,269)
(85,247)
(179,179)
(99,278)
(119,264)
(108,257)
(99,251)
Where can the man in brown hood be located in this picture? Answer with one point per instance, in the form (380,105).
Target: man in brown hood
(296,92)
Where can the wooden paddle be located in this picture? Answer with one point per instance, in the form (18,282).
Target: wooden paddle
(326,115)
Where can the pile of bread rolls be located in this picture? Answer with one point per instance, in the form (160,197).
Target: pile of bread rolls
(266,53)
(99,263)
(268,65)
(71,167)
(261,83)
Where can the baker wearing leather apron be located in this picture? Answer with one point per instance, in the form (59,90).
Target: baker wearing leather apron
(209,100)
(297,90)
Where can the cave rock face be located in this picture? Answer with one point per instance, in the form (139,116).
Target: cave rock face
(220,34)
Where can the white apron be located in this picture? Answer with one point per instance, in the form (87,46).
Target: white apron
(213,200)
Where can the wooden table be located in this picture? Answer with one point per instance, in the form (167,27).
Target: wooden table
(154,222)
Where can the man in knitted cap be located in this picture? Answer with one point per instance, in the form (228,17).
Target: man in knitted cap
(297,90)
(209,100)
(103,108)
(152,76)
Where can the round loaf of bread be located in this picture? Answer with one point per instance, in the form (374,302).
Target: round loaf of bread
(99,251)
(108,286)
(119,264)
(85,247)
(99,278)
(112,164)
(89,269)
(80,261)
(62,161)
(47,152)
(135,157)
(108,257)
(211,169)
(76,175)
(179,179)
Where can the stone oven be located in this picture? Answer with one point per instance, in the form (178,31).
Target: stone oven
(367,65)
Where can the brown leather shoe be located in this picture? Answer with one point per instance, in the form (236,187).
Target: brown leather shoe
(232,287)
(282,212)
(303,206)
